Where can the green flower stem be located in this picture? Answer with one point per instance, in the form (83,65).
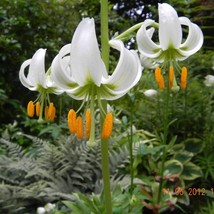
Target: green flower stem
(92,129)
(42,100)
(106,176)
(104,143)
(126,34)
(104,33)
(185,110)
(60,109)
(164,141)
(131,152)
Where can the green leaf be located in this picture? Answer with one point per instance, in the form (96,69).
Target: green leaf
(72,206)
(184,198)
(145,150)
(193,145)
(172,168)
(155,189)
(177,148)
(183,156)
(191,171)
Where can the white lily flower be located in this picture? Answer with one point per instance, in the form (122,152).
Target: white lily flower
(80,71)
(209,80)
(37,79)
(170,46)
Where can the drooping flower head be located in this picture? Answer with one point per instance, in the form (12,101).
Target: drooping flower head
(80,71)
(36,79)
(172,47)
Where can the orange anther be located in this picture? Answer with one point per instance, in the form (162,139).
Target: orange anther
(72,121)
(183,78)
(107,126)
(88,123)
(171,76)
(159,78)
(38,106)
(30,109)
(157,74)
(79,127)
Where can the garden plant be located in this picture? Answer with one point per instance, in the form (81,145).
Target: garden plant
(117,120)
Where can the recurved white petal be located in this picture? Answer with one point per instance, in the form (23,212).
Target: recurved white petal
(61,70)
(144,40)
(194,39)
(79,93)
(51,85)
(127,72)
(170,32)
(24,80)
(36,74)
(86,62)
(148,63)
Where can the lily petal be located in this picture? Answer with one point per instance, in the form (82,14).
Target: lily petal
(194,40)
(145,44)
(51,85)
(170,32)
(25,81)
(127,72)
(86,62)
(36,74)
(61,71)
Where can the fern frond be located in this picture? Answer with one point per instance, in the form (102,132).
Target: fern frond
(14,150)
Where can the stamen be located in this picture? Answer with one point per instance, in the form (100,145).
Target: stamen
(72,121)
(183,78)
(51,112)
(107,126)
(157,74)
(159,78)
(30,109)
(46,112)
(79,127)
(38,107)
(171,76)
(88,123)
(161,82)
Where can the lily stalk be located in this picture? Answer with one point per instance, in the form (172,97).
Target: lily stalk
(104,142)
(79,71)
(172,47)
